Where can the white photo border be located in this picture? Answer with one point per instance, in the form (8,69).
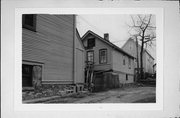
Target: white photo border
(19,106)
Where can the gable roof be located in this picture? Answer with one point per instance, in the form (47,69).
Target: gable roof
(145,50)
(107,42)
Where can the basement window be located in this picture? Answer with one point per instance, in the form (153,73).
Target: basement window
(29,21)
(31,75)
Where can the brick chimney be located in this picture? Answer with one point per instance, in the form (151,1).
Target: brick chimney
(106,36)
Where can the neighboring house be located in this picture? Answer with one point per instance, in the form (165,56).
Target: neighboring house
(52,52)
(108,57)
(148,61)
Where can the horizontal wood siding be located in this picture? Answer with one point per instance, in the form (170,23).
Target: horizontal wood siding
(126,74)
(51,44)
(80,61)
(118,63)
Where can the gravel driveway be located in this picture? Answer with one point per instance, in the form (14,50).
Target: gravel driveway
(125,95)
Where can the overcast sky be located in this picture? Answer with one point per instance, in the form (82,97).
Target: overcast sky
(115,25)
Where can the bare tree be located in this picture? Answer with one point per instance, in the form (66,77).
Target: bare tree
(144,31)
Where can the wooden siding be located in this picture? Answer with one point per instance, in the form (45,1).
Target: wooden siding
(118,63)
(51,44)
(80,61)
(130,47)
(121,69)
(100,45)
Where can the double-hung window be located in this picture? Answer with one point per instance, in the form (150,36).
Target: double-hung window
(102,56)
(91,43)
(90,56)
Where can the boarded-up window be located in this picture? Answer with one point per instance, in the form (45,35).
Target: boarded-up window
(90,56)
(102,56)
(29,21)
(91,43)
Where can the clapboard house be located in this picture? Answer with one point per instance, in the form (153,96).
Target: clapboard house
(52,52)
(133,49)
(107,57)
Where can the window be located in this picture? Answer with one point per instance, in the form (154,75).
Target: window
(129,63)
(90,56)
(91,43)
(27,75)
(29,21)
(31,74)
(126,76)
(124,60)
(102,56)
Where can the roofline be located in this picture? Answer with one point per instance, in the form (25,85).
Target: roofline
(108,42)
(140,47)
(79,37)
(149,54)
(126,42)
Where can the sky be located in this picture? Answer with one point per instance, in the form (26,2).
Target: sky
(115,25)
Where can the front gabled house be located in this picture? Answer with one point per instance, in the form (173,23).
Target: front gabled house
(52,52)
(108,57)
(148,60)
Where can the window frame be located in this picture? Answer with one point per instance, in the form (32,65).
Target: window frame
(129,59)
(126,77)
(124,61)
(87,55)
(26,26)
(33,63)
(104,49)
(88,40)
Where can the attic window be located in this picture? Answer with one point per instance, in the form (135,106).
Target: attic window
(91,43)
(29,21)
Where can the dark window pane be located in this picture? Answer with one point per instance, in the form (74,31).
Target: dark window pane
(29,20)
(91,43)
(27,75)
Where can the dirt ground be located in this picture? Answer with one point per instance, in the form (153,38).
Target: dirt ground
(120,95)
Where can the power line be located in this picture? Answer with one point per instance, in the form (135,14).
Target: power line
(89,24)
